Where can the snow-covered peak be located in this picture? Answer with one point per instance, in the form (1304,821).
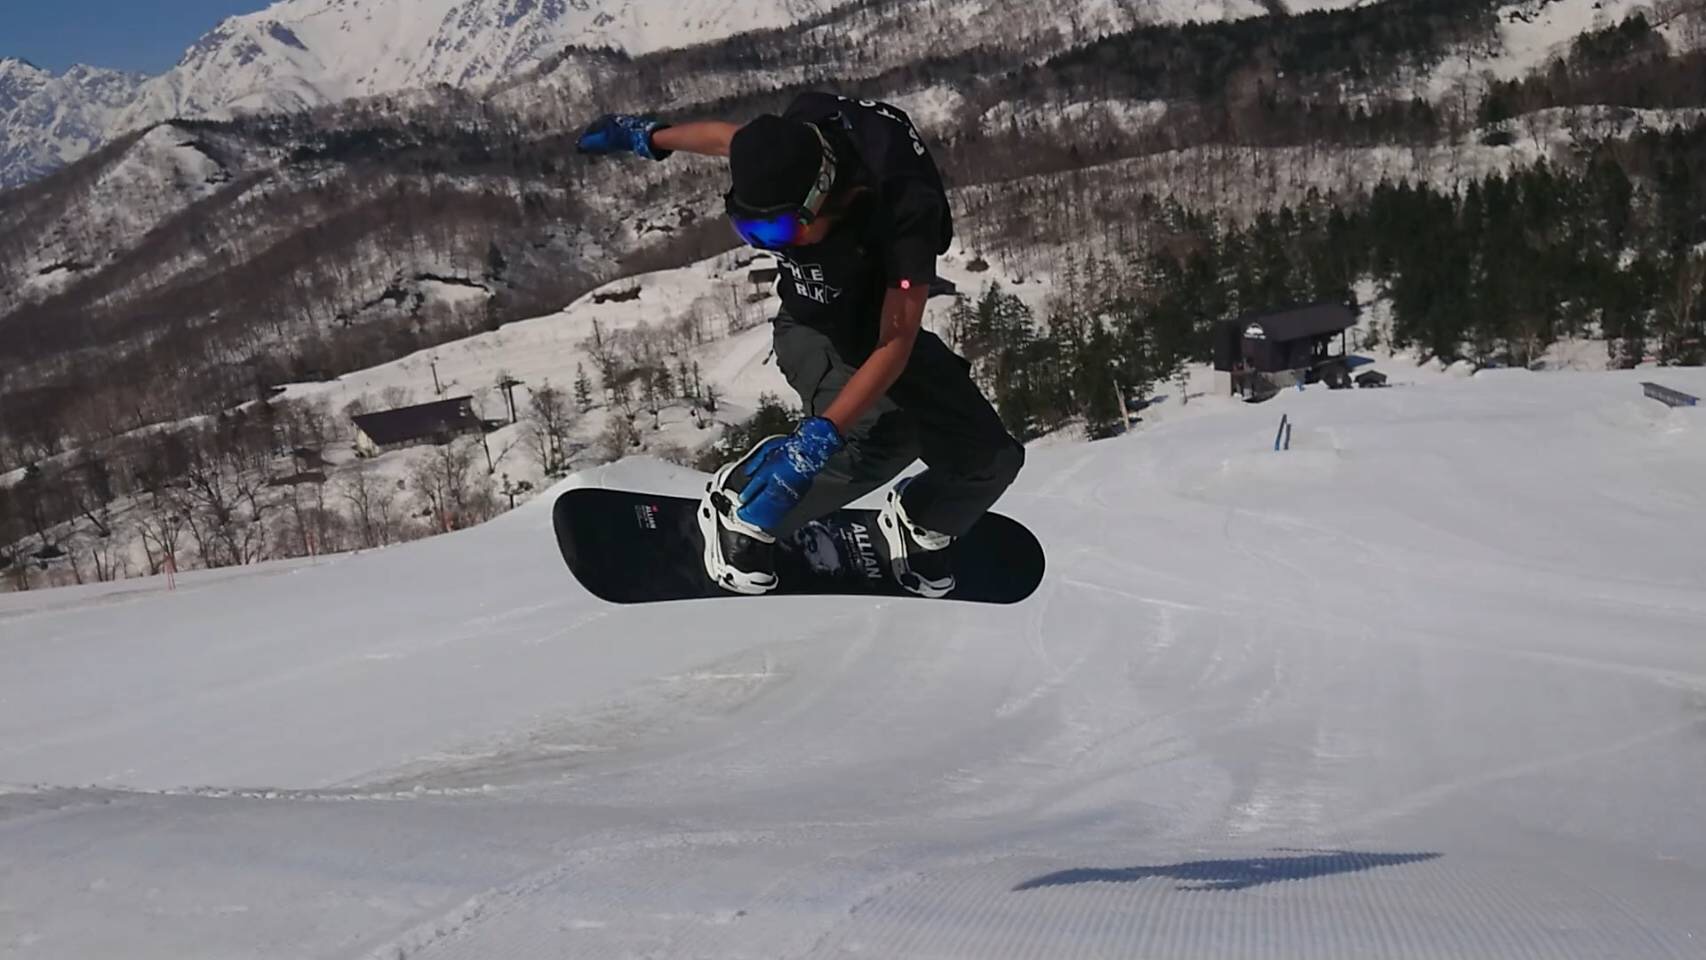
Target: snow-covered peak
(47,120)
(19,79)
(299,53)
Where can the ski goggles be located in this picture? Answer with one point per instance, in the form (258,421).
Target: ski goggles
(778,227)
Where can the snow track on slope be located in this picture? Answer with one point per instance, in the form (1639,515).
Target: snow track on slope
(1430,684)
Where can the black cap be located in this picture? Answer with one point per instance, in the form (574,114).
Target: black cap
(774,161)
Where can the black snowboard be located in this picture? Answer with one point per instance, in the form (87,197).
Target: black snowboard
(629,547)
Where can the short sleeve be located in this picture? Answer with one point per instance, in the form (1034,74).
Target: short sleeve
(914,212)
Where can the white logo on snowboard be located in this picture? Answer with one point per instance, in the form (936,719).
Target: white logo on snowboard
(827,550)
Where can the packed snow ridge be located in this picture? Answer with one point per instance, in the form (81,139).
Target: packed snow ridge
(1429,683)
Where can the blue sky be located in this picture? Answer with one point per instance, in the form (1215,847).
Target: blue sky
(142,35)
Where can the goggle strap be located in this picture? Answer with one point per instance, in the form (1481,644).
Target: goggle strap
(813,205)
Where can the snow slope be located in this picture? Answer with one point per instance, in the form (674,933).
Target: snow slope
(1432,683)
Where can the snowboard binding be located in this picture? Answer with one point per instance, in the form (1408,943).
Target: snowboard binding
(739,557)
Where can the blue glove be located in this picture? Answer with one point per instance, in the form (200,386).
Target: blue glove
(623,133)
(781,470)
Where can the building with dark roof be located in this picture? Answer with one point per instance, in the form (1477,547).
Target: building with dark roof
(438,422)
(1284,347)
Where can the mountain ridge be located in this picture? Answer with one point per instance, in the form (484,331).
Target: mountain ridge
(301,54)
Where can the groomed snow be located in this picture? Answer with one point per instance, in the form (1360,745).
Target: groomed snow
(1432,683)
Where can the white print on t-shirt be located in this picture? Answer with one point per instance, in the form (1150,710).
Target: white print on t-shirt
(809,281)
(911,131)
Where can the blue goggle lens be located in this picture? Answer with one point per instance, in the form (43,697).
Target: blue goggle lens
(770,231)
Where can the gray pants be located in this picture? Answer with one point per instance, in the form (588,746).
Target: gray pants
(933,413)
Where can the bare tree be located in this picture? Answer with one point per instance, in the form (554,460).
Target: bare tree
(311,424)
(312,528)
(1680,328)
(223,508)
(603,351)
(161,528)
(373,501)
(549,421)
(448,488)
(107,555)
(620,438)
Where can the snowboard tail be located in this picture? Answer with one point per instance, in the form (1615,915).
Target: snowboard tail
(629,547)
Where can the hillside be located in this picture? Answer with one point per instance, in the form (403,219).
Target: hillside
(1430,683)
(301,54)
(1153,176)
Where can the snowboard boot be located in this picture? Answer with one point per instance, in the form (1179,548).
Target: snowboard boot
(739,557)
(919,556)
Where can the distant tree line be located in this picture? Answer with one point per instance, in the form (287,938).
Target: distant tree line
(245,486)
(1628,65)
(1209,61)
(1494,273)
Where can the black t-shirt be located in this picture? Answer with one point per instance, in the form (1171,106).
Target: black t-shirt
(892,234)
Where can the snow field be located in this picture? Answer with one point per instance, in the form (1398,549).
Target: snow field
(1430,684)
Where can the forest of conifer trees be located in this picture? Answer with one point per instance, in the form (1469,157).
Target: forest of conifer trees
(1492,273)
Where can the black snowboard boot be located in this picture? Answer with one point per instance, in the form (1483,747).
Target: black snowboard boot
(739,557)
(919,556)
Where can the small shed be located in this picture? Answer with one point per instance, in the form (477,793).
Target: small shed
(437,422)
(1293,345)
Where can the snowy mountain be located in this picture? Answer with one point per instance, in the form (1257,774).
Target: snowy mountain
(1429,684)
(298,54)
(47,121)
(18,80)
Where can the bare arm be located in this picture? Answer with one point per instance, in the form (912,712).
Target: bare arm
(709,137)
(903,316)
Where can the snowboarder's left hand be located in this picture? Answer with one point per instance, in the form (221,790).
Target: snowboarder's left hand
(782,469)
(622,133)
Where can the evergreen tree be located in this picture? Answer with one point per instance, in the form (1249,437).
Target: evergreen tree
(683,379)
(1014,399)
(1612,195)
(583,388)
(1099,387)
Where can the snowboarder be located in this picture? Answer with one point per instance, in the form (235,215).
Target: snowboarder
(845,195)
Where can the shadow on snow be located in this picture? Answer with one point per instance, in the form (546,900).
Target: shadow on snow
(1239,874)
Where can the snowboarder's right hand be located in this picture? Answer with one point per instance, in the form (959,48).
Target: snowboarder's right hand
(781,471)
(622,133)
